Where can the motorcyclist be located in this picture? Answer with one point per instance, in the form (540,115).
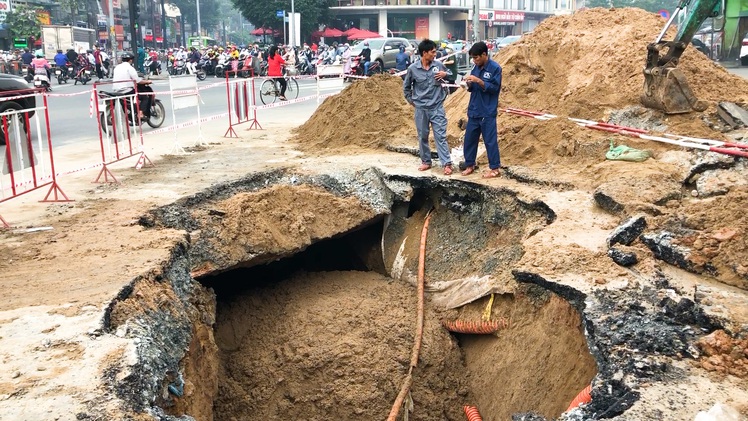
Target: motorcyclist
(365,55)
(155,64)
(402,60)
(61,61)
(72,55)
(26,57)
(40,65)
(192,60)
(124,75)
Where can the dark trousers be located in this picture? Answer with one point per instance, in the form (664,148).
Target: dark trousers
(283,84)
(475,128)
(99,72)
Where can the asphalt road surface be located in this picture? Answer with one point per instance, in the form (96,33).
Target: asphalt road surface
(70,117)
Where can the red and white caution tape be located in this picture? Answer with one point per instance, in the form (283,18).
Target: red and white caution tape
(283,103)
(186,124)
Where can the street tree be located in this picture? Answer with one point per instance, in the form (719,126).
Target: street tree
(210,17)
(22,22)
(263,13)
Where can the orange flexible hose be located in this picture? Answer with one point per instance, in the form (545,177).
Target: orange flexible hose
(419,324)
(583,397)
(472,413)
(478,328)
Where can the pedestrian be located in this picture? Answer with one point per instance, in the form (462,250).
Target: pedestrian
(423,90)
(484,85)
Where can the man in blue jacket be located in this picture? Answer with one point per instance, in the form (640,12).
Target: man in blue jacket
(484,84)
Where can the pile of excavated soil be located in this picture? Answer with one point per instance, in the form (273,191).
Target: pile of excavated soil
(369,113)
(583,64)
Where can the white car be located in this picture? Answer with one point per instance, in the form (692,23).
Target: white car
(508,40)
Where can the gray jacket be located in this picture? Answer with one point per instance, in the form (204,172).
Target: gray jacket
(421,88)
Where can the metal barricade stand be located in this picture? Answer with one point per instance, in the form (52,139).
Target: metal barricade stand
(20,160)
(241,100)
(184,94)
(117,117)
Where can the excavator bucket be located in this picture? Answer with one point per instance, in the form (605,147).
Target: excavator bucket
(667,90)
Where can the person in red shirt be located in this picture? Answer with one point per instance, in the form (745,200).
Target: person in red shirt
(275,63)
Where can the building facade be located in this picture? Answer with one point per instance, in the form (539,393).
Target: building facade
(444,19)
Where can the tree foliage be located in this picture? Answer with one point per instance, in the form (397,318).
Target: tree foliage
(648,5)
(262,13)
(209,13)
(22,22)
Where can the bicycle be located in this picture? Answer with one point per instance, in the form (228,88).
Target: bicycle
(270,90)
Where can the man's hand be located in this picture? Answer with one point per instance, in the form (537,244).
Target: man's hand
(440,75)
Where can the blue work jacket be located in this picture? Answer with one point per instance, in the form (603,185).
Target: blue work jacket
(485,102)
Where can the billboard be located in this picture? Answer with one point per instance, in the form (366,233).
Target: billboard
(5,8)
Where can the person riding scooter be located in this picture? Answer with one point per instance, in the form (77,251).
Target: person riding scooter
(124,76)
(365,55)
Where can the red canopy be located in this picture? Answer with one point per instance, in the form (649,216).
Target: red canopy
(264,31)
(362,34)
(330,33)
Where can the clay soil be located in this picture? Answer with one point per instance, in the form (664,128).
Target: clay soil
(55,283)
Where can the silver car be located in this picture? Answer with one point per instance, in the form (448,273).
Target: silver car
(384,50)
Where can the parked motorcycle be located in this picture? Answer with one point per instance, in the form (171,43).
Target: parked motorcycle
(156,119)
(221,66)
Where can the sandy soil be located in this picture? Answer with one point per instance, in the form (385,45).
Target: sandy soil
(57,283)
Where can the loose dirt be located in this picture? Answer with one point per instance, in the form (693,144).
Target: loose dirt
(586,65)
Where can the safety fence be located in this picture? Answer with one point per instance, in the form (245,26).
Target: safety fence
(28,161)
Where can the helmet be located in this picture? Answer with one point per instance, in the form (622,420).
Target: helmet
(39,54)
(89,51)
(366,43)
(444,45)
(59,51)
(127,56)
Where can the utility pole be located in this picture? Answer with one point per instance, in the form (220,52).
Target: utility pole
(292,25)
(476,19)
(199,30)
(112,35)
(163,24)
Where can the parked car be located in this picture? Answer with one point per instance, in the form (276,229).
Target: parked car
(11,85)
(507,40)
(383,50)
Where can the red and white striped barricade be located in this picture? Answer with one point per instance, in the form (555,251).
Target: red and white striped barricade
(329,78)
(120,134)
(28,160)
(240,96)
(184,94)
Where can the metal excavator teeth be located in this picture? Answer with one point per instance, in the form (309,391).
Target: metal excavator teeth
(666,89)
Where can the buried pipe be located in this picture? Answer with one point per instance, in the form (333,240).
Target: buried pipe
(477,328)
(582,397)
(419,324)
(472,414)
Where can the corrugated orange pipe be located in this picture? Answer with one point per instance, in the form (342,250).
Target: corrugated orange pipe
(472,414)
(478,328)
(583,397)
(419,323)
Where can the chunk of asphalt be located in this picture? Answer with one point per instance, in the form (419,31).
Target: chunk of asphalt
(622,258)
(607,202)
(627,232)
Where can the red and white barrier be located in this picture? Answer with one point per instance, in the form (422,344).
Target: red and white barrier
(28,166)
(240,96)
(120,137)
(184,94)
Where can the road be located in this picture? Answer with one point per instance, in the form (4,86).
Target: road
(70,121)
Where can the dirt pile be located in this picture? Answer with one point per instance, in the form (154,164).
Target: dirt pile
(369,113)
(583,64)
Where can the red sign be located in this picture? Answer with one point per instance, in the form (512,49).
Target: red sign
(422,27)
(501,15)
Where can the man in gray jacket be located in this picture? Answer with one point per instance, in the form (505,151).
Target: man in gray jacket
(423,90)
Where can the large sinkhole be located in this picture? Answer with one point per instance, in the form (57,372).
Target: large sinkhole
(324,329)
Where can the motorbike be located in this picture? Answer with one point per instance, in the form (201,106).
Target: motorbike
(206,65)
(148,64)
(179,68)
(42,81)
(156,119)
(27,73)
(221,66)
(83,75)
(357,68)
(61,73)
(305,66)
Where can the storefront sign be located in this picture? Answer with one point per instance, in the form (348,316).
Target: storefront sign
(422,27)
(43,17)
(501,16)
(4,9)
